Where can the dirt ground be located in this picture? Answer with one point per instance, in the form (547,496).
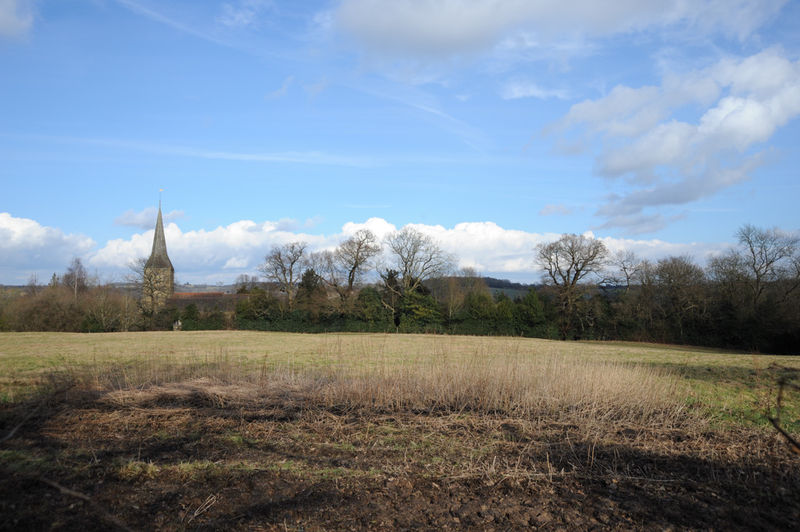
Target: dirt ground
(183,457)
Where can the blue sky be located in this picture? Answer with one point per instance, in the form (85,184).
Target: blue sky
(491,125)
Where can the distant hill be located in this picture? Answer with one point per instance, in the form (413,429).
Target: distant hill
(509,288)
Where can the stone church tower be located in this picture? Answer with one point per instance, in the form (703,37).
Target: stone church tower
(158,283)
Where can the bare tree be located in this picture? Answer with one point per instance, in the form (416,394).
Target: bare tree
(627,266)
(566,262)
(769,255)
(284,265)
(33,287)
(344,268)
(146,283)
(452,291)
(681,291)
(417,257)
(355,254)
(76,277)
(110,309)
(245,283)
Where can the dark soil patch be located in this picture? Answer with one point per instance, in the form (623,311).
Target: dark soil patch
(181,461)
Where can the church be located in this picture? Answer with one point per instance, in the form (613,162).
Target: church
(158,278)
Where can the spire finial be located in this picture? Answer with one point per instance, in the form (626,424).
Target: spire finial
(160,190)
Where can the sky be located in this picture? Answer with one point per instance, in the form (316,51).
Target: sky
(660,127)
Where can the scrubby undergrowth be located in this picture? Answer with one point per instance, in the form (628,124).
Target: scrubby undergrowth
(476,442)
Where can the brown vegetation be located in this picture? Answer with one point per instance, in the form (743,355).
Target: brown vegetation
(369,440)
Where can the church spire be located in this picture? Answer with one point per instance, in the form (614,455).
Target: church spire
(158,282)
(158,257)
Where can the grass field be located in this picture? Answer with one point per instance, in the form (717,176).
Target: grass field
(243,430)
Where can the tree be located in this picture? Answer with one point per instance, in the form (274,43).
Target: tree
(76,278)
(566,262)
(283,265)
(769,256)
(627,266)
(344,268)
(416,257)
(146,284)
(681,292)
(354,256)
(451,291)
(245,283)
(311,294)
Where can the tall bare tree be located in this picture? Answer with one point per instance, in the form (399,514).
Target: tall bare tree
(146,283)
(452,291)
(769,255)
(414,257)
(343,268)
(284,265)
(566,262)
(417,257)
(76,277)
(627,267)
(681,292)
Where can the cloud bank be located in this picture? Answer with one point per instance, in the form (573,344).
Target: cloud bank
(227,251)
(221,254)
(27,247)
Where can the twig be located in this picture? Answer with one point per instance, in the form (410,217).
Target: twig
(210,501)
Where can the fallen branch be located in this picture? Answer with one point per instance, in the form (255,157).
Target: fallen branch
(98,508)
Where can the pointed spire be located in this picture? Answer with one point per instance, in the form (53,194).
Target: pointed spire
(158,257)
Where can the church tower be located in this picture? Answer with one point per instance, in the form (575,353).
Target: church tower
(159,275)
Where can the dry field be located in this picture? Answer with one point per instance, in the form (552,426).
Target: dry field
(273,431)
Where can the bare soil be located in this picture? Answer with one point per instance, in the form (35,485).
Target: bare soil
(189,456)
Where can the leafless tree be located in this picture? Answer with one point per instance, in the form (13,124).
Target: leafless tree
(566,262)
(33,287)
(343,268)
(111,309)
(627,266)
(284,265)
(76,277)
(245,282)
(681,290)
(416,257)
(769,255)
(452,291)
(145,282)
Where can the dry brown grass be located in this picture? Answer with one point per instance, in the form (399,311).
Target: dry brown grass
(516,384)
(376,432)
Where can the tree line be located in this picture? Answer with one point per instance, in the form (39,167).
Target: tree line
(747,298)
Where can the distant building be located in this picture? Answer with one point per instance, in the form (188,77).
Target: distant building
(158,283)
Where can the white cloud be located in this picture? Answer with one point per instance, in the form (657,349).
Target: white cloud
(671,161)
(527,89)
(237,247)
(145,219)
(223,253)
(16,17)
(26,246)
(452,27)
